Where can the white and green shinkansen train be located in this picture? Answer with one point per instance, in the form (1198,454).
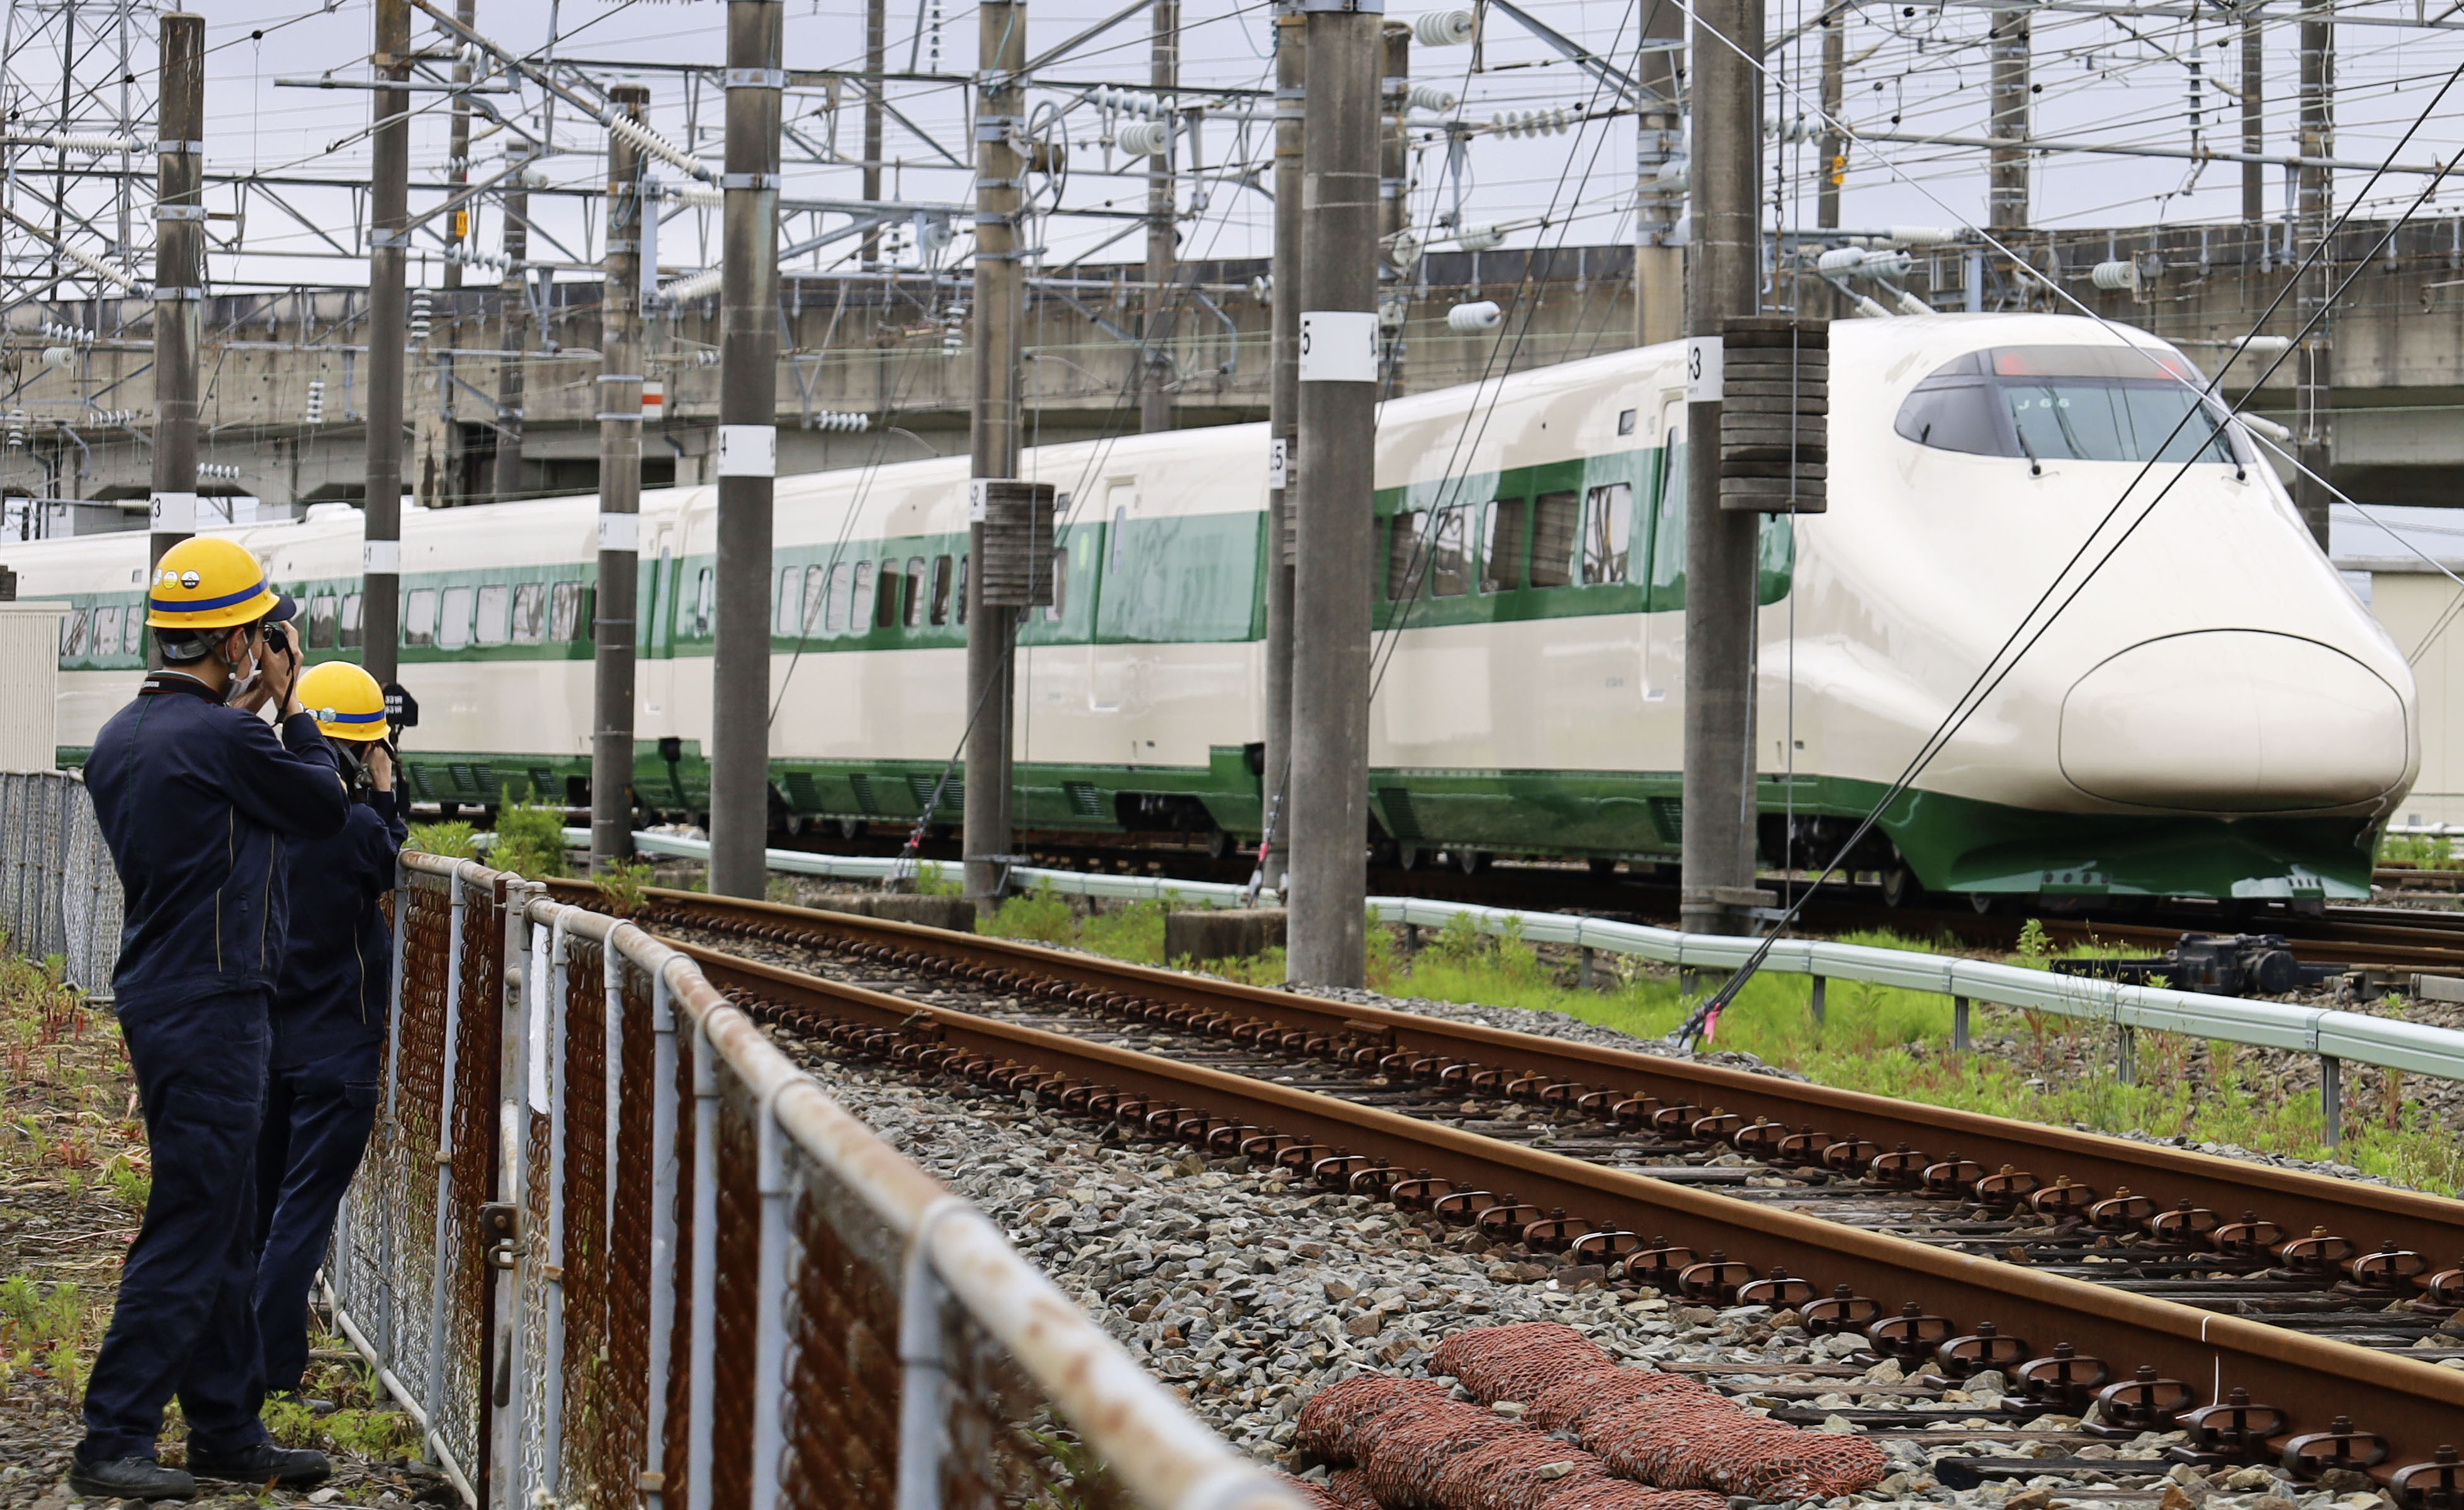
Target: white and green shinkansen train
(2213,714)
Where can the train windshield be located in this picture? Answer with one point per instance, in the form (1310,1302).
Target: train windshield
(2069,403)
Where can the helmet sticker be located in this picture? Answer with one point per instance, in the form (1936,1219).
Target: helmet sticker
(188,579)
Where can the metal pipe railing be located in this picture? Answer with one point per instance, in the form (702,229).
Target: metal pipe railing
(852,1247)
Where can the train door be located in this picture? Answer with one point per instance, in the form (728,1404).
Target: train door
(1111,670)
(1663,618)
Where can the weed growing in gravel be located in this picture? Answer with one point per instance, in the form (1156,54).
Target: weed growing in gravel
(449,840)
(625,884)
(530,841)
(1041,916)
(932,879)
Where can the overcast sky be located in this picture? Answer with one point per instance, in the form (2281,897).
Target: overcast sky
(1914,68)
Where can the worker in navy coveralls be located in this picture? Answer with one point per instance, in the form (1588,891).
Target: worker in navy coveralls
(329,1018)
(197,798)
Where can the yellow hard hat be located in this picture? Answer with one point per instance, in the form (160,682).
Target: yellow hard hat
(345,701)
(208,583)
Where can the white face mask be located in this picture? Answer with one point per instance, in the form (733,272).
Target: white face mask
(244,675)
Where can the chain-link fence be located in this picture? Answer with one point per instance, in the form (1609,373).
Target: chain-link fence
(613,1249)
(58,895)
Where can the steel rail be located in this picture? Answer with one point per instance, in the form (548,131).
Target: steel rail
(2295,1199)
(2416,1407)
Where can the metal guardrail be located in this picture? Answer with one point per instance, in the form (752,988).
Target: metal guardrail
(58,895)
(612,1247)
(2335,1036)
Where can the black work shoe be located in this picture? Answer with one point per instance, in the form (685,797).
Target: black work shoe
(129,1478)
(262,1464)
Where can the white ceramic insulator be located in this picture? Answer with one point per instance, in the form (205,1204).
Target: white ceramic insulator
(684,291)
(2264,346)
(1145,137)
(1479,238)
(1921,235)
(1429,96)
(1445,28)
(1841,260)
(57,357)
(2114,276)
(1471,319)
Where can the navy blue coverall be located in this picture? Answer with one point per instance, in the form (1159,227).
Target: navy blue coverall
(196,800)
(321,1095)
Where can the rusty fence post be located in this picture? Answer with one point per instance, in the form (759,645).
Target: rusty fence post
(552,998)
(924,1372)
(663,1236)
(704,1300)
(771,1283)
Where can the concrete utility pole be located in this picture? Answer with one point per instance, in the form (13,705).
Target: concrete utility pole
(877,34)
(1163,234)
(1283,429)
(2253,118)
(515,314)
(388,210)
(748,451)
(1659,200)
(992,632)
(1835,100)
(457,173)
(1717,846)
(2007,205)
(2314,378)
(457,151)
(1338,435)
(179,282)
(620,495)
(1396,264)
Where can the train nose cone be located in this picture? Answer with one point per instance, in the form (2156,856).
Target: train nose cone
(2233,721)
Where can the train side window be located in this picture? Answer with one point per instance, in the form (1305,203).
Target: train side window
(834,605)
(1057,610)
(1555,518)
(1502,547)
(419,616)
(783,608)
(1449,553)
(73,630)
(705,602)
(961,591)
(133,628)
(495,610)
(915,592)
(106,631)
(943,567)
(860,606)
(348,638)
(453,619)
(884,596)
(530,613)
(564,621)
(816,585)
(1403,554)
(1608,533)
(320,622)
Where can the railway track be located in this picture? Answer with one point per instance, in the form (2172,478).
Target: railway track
(2087,1271)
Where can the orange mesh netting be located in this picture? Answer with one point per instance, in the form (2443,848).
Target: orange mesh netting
(1416,1447)
(1657,1427)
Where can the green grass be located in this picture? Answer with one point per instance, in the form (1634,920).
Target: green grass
(530,841)
(449,840)
(2429,851)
